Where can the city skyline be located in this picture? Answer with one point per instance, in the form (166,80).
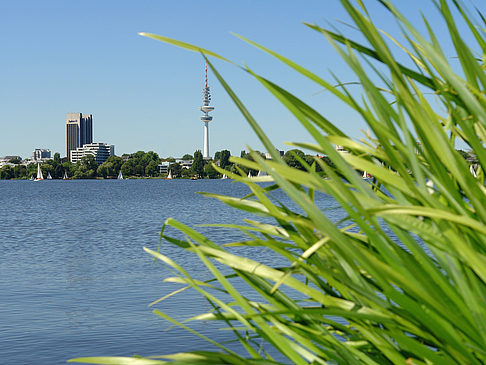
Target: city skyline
(143,93)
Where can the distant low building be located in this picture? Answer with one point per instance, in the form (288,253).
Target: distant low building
(186,164)
(100,151)
(41,155)
(9,158)
(268,156)
(6,160)
(164,167)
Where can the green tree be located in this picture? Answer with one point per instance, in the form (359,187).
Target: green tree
(6,172)
(69,168)
(31,170)
(111,167)
(248,156)
(290,158)
(224,159)
(138,162)
(47,169)
(152,169)
(211,172)
(217,156)
(19,171)
(129,168)
(105,169)
(176,169)
(187,157)
(186,173)
(197,167)
(86,168)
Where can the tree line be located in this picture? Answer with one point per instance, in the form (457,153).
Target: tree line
(144,164)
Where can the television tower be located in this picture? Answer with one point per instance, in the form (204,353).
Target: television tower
(206,118)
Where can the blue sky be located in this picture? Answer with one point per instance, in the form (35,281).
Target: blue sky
(62,56)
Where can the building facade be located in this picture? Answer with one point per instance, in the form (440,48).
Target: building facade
(100,151)
(41,154)
(79,131)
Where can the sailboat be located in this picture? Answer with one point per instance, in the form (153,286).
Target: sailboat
(49,177)
(39,173)
(169,176)
(224,177)
(65,177)
(366,175)
(473,172)
(249,174)
(31,178)
(261,173)
(120,176)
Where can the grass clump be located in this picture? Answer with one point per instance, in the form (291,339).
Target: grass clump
(405,281)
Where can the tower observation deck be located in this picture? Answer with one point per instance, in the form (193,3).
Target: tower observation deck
(205,109)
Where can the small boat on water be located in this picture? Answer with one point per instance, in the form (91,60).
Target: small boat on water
(169,175)
(65,177)
(49,177)
(249,174)
(224,177)
(31,178)
(39,173)
(120,176)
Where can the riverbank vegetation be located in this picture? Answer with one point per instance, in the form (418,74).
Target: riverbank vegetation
(139,165)
(402,279)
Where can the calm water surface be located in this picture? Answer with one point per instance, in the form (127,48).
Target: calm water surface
(74,280)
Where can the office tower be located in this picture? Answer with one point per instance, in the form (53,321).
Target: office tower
(79,131)
(206,118)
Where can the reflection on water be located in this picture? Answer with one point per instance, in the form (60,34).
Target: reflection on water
(73,276)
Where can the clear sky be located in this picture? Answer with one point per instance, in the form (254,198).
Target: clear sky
(60,56)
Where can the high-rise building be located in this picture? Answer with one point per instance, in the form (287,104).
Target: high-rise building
(206,118)
(79,131)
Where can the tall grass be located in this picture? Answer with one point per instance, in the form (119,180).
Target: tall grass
(405,281)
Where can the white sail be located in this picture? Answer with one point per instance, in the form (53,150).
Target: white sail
(120,176)
(49,177)
(224,176)
(169,176)
(65,177)
(365,174)
(39,173)
(473,172)
(249,174)
(430,186)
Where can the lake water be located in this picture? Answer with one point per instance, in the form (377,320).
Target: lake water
(74,280)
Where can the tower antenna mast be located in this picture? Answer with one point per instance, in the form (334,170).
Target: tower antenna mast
(205,109)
